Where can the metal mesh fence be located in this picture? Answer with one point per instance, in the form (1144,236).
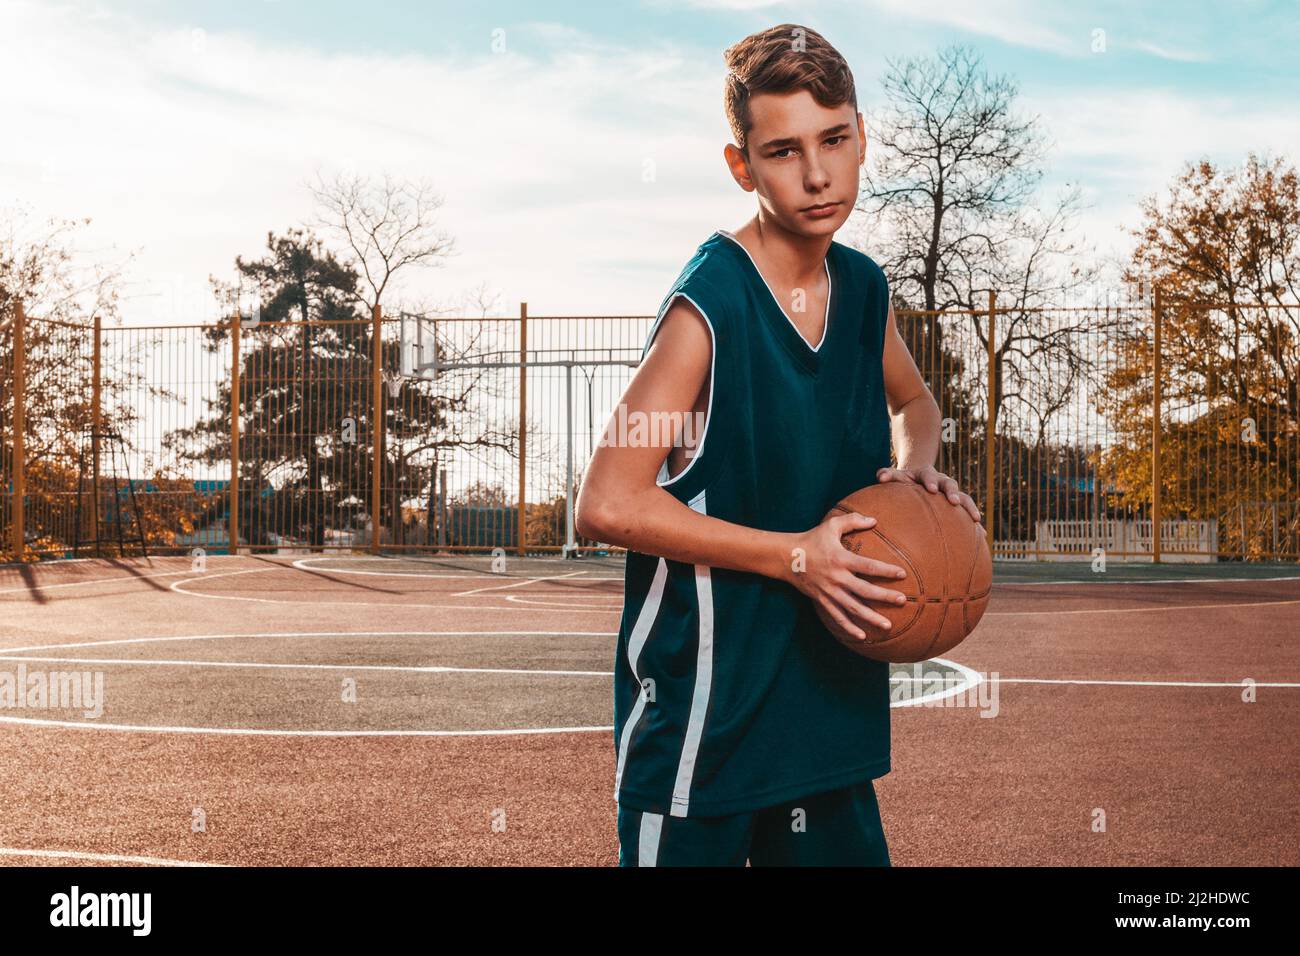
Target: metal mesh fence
(1105,424)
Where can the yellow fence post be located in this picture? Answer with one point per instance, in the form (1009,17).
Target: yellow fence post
(377,403)
(232,522)
(96,424)
(523,422)
(1156,318)
(990,444)
(20,415)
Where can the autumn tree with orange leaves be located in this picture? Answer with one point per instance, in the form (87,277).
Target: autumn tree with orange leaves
(1223,248)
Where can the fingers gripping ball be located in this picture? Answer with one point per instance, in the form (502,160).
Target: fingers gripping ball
(949,571)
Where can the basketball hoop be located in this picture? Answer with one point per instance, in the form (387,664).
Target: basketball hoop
(418,348)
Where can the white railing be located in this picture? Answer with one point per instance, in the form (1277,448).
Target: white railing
(1076,540)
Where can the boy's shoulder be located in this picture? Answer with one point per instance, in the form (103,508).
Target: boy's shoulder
(714,259)
(710,278)
(861,266)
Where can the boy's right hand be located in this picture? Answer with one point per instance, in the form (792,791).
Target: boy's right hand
(830,575)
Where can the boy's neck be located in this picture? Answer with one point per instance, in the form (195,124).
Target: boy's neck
(787,259)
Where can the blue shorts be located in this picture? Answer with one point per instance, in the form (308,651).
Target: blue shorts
(834,828)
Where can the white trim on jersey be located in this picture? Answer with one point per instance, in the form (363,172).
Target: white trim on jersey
(713,363)
(647,847)
(826,320)
(703,675)
(703,681)
(636,641)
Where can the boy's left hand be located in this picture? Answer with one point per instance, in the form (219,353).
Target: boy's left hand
(934,481)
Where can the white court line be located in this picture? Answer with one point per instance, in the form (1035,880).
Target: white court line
(82,584)
(276,732)
(533,604)
(175,586)
(1140,683)
(971,679)
(274,665)
(967,681)
(342,634)
(502,587)
(13,565)
(1101,580)
(12,654)
(99,857)
(539,603)
(305,564)
(1141,610)
(301,565)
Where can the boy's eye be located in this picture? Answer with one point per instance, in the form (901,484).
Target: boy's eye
(830,141)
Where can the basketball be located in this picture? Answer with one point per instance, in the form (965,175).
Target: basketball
(949,570)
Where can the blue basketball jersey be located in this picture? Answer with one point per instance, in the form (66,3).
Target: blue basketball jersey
(729,693)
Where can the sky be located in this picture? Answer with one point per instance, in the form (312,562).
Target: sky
(186,130)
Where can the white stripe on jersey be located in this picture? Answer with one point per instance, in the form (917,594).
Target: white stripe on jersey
(636,641)
(647,850)
(703,681)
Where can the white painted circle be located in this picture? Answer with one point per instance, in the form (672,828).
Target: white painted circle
(972,678)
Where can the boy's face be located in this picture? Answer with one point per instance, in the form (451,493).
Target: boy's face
(802,155)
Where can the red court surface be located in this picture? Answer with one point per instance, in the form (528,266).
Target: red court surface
(331,709)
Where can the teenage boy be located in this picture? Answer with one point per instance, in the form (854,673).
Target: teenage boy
(743,730)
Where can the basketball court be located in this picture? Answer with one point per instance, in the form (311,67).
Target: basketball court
(330,709)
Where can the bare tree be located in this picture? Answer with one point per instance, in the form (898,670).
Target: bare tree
(465,398)
(953,165)
(38,265)
(1040,261)
(954,192)
(385,226)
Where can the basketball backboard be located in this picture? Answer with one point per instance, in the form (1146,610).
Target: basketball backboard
(419,347)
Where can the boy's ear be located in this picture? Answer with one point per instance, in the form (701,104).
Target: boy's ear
(739,166)
(862,140)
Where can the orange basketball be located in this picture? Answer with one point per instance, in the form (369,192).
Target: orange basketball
(949,570)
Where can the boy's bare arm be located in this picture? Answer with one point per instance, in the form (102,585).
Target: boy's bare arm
(912,409)
(621,503)
(915,421)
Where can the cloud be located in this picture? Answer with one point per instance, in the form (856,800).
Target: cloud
(724,4)
(579,173)
(555,156)
(1125,145)
(1017,22)
(1182,56)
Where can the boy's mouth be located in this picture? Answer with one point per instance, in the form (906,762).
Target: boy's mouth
(819,210)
